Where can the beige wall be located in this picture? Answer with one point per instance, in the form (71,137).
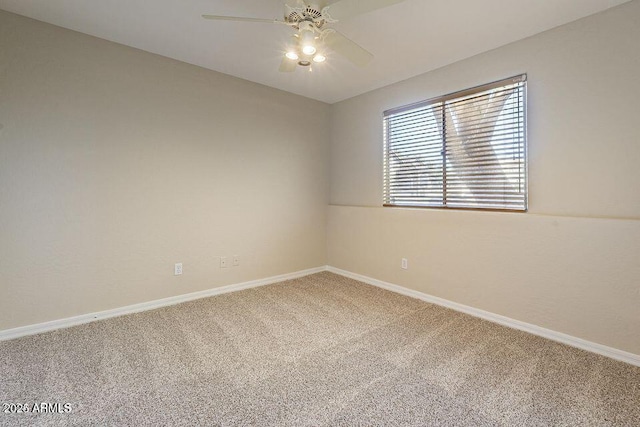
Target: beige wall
(572,264)
(116,163)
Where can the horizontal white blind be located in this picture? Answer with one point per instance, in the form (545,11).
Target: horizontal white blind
(465,150)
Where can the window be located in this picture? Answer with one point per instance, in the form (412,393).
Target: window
(464,150)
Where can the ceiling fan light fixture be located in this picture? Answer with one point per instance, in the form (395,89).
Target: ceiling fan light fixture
(312,36)
(309,49)
(307,40)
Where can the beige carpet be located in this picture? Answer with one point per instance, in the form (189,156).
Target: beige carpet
(320,350)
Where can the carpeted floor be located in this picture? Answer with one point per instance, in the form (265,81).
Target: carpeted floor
(320,350)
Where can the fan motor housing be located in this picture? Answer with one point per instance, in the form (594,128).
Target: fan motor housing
(309,13)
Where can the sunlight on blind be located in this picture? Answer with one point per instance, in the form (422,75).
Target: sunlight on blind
(465,150)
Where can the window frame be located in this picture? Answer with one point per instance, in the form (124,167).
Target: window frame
(521,78)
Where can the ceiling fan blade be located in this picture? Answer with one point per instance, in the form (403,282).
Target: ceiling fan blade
(345,9)
(242,19)
(347,48)
(287,65)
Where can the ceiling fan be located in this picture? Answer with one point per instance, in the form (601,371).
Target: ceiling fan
(313,35)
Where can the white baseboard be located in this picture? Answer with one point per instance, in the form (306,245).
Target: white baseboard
(580,343)
(600,349)
(38,328)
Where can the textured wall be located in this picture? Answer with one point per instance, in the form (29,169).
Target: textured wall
(572,261)
(116,163)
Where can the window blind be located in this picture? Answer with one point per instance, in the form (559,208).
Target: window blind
(464,150)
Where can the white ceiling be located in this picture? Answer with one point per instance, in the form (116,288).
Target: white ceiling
(407,39)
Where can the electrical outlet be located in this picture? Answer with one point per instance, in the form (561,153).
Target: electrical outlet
(405,264)
(236,260)
(177,269)
(223,262)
